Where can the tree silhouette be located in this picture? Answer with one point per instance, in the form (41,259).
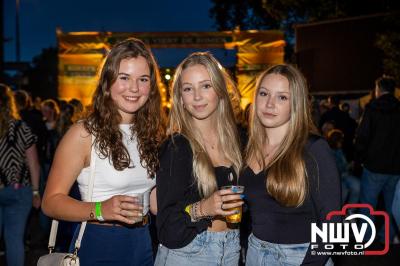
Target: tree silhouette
(42,76)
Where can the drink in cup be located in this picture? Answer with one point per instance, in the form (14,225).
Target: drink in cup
(140,199)
(234,218)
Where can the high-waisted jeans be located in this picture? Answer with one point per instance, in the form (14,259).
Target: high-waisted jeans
(207,248)
(114,246)
(262,253)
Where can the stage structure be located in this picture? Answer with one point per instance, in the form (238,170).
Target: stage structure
(81,53)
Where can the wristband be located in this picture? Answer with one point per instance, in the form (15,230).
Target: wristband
(99,217)
(188,209)
(35,193)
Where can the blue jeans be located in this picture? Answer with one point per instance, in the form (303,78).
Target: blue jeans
(372,184)
(396,205)
(15,205)
(207,248)
(262,253)
(350,189)
(114,246)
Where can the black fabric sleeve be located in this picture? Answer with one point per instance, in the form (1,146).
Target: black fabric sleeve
(174,192)
(362,138)
(325,191)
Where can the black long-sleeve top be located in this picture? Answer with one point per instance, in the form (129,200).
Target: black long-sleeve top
(275,223)
(177,188)
(377,144)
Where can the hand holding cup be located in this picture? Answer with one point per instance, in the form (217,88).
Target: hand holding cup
(223,202)
(123,208)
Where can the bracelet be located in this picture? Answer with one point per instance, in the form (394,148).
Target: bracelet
(35,193)
(196,213)
(99,216)
(209,217)
(193,213)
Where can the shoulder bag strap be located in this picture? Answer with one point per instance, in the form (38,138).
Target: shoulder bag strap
(54,224)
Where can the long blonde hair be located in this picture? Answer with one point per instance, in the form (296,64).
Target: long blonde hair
(8,108)
(181,122)
(286,180)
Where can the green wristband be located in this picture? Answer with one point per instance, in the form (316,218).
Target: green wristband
(99,216)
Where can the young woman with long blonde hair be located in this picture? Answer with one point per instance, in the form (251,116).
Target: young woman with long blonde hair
(291,179)
(202,155)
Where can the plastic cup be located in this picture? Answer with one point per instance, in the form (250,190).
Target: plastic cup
(140,201)
(237,217)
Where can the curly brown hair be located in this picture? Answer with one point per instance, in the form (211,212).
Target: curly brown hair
(148,122)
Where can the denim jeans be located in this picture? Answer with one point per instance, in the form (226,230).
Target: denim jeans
(15,205)
(262,253)
(396,205)
(207,248)
(114,246)
(350,189)
(372,184)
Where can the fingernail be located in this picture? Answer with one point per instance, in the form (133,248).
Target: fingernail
(242,196)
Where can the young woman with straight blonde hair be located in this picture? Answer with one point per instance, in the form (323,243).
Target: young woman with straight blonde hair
(291,179)
(202,155)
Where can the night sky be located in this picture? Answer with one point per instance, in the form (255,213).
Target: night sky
(39,19)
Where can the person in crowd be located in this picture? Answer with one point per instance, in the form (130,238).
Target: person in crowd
(37,103)
(202,155)
(34,119)
(291,179)
(377,147)
(126,129)
(66,120)
(396,207)
(350,183)
(342,121)
(51,114)
(19,177)
(78,109)
(327,127)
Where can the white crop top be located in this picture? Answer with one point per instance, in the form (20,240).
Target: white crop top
(109,182)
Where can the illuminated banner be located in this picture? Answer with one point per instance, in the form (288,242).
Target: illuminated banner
(81,53)
(77,76)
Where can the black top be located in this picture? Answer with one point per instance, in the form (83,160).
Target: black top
(34,119)
(176,188)
(378,143)
(275,223)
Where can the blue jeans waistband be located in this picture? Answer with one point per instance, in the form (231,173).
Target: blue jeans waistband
(261,244)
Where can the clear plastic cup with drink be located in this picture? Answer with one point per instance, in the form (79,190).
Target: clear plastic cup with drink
(237,217)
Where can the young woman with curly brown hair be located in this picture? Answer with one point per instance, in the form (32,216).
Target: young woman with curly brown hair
(126,128)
